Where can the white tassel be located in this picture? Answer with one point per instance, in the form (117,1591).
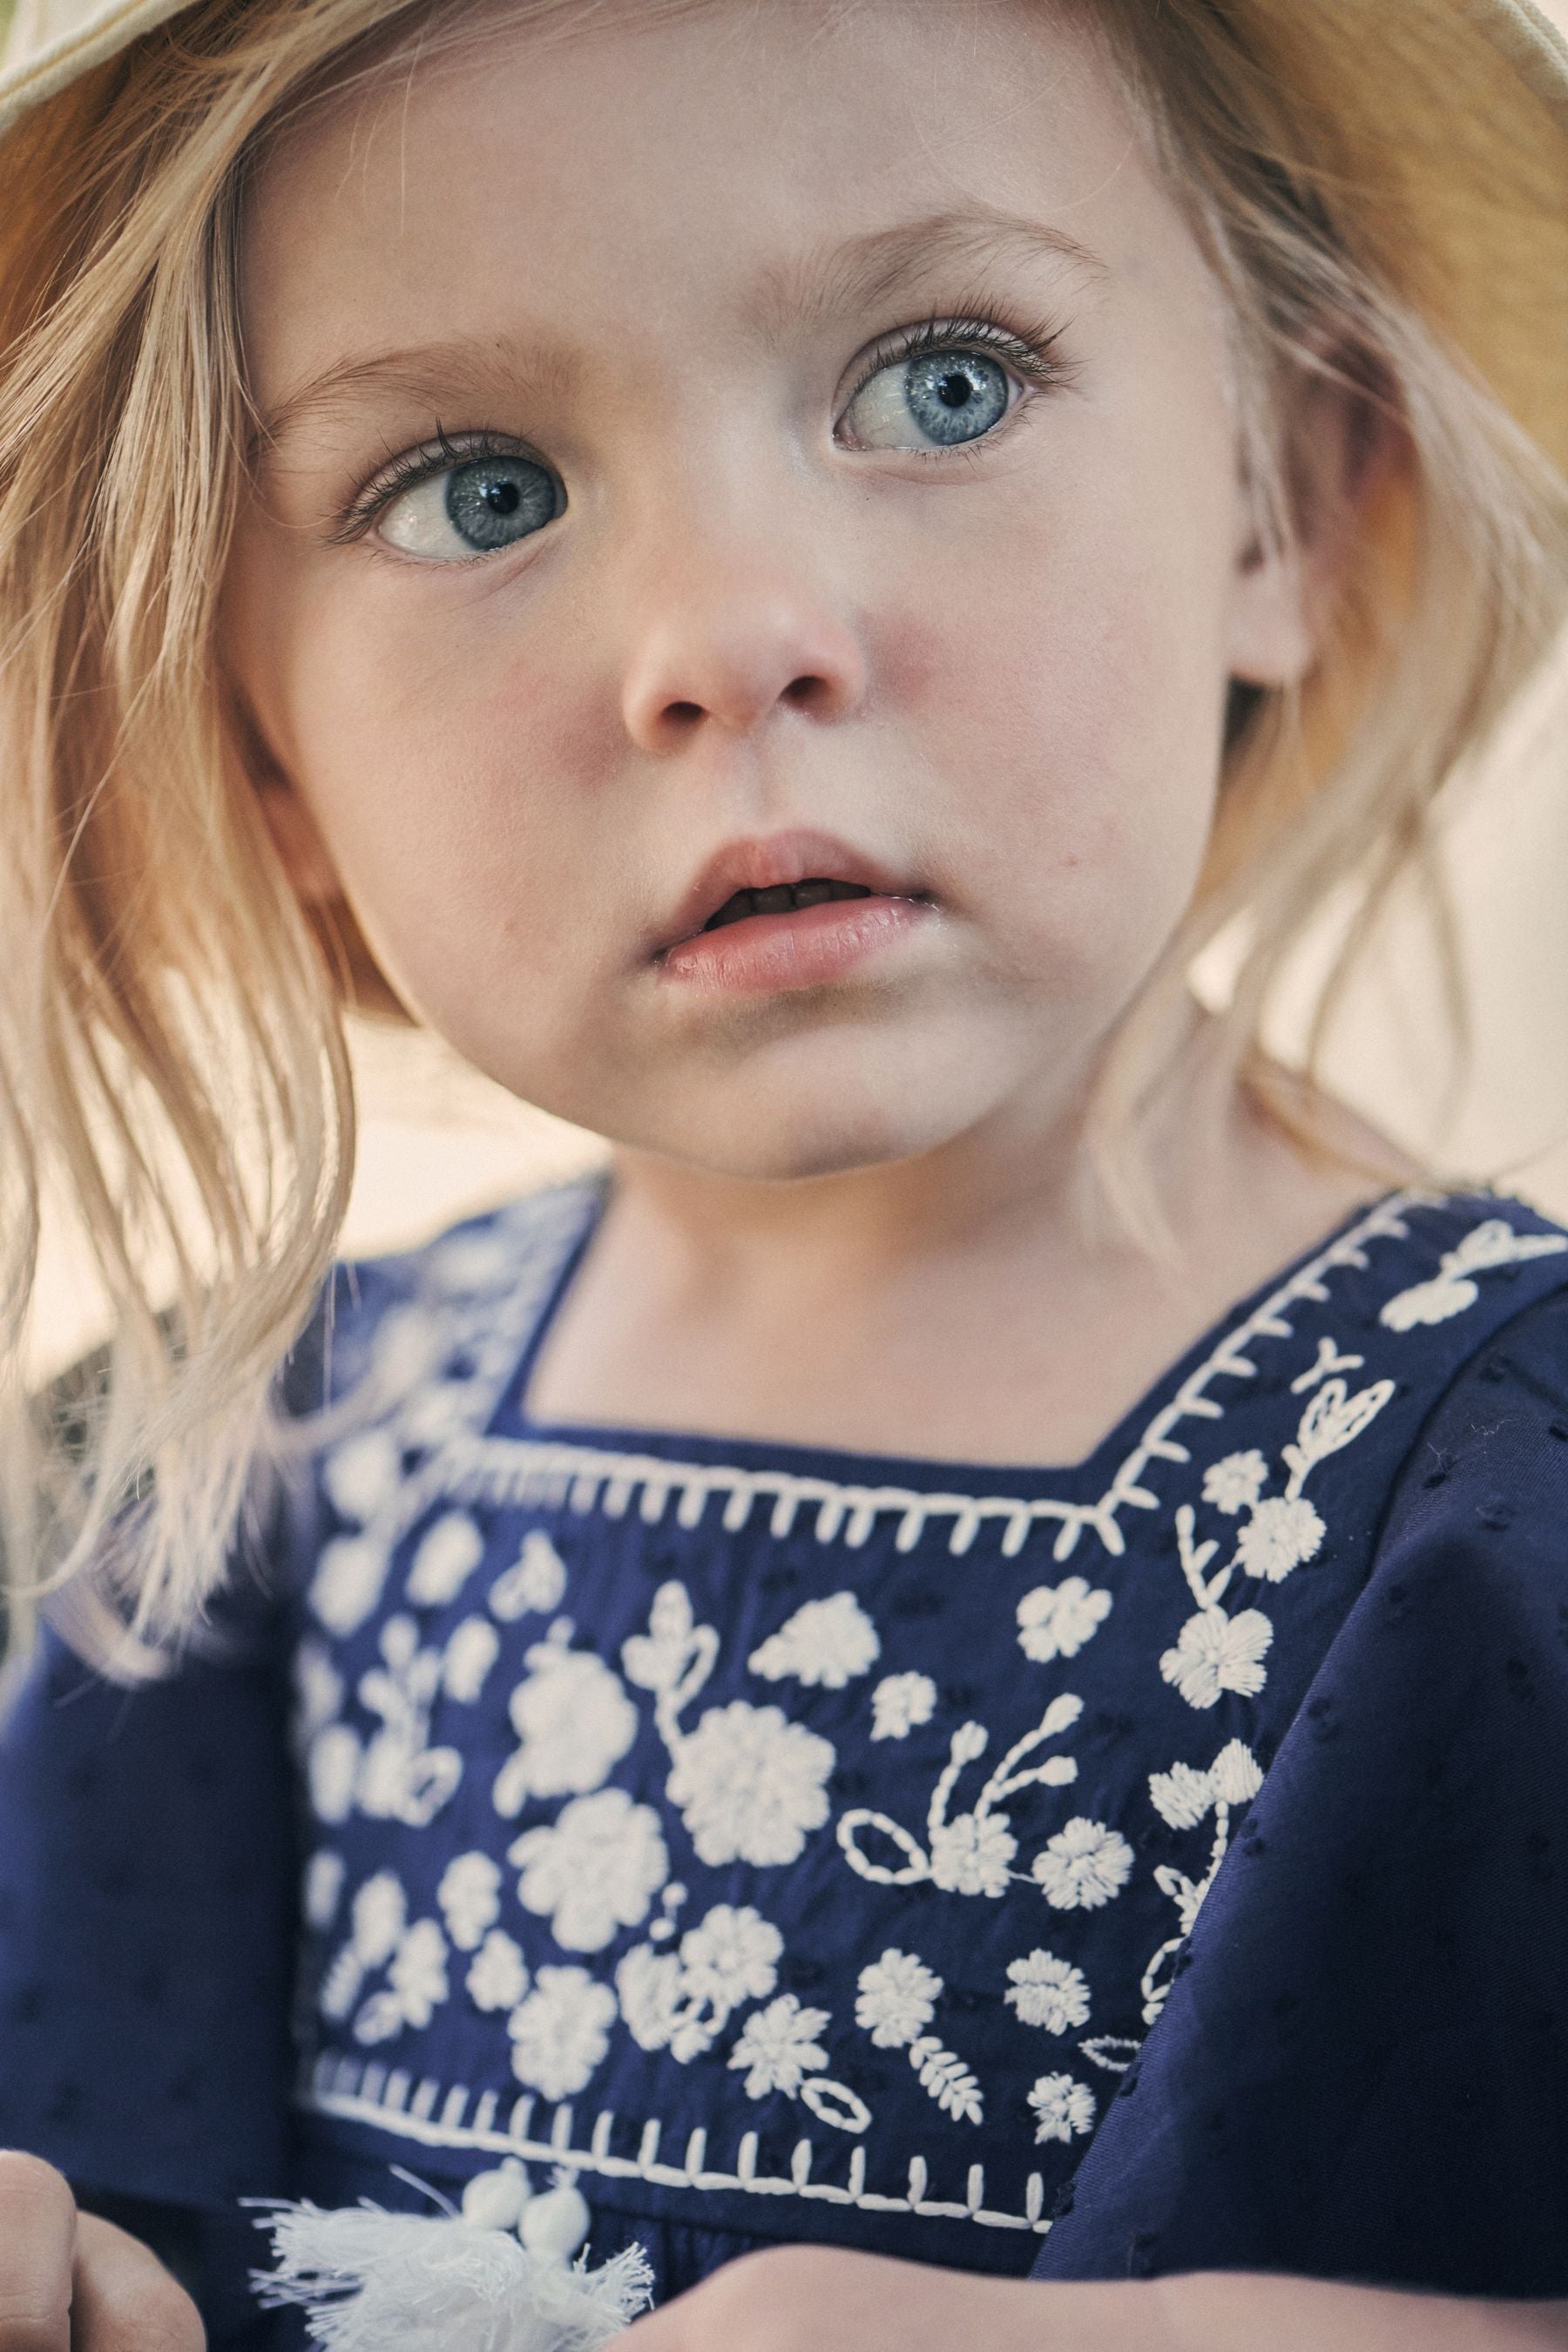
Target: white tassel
(373,2282)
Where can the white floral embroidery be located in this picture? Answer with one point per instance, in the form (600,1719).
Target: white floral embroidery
(535,1581)
(322,1890)
(400,1778)
(380,1909)
(973,1854)
(896,2001)
(362,1473)
(683,2002)
(1086,1865)
(472,1653)
(446,1557)
(730,1956)
(1214,1652)
(826,1644)
(595,1869)
(575,1722)
(1055,1620)
(1182,1798)
(779,2048)
(901,1704)
(560,2032)
(469,1898)
(1235,1484)
(332,1771)
(750,1784)
(1452,1288)
(416,1985)
(498,1978)
(897,1998)
(1282,1533)
(1047,1992)
(349,1573)
(970,1853)
(1062,2109)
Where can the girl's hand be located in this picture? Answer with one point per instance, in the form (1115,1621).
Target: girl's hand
(824,2299)
(70,2282)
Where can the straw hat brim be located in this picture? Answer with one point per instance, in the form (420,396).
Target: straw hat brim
(1450,130)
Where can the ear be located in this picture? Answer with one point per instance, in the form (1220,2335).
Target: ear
(1342,442)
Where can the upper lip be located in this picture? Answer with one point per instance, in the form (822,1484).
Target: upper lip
(763,863)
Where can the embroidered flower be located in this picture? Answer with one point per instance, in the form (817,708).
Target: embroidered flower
(575,1722)
(750,1784)
(1055,1620)
(1182,1796)
(1236,1483)
(470,1897)
(561,2031)
(362,1473)
(596,1868)
(973,1854)
(1047,1992)
(446,1556)
(897,1998)
(1214,1652)
(470,1653)
(498,1978)
(1236,1774)
(1281,1534)
(1063,2108)
(380,1910)
(1084,1865)
(826,1642)
(349,1573)
(649,1986)
(779,2046)
(418,1971)
(536,1580)
(332,1771)
(323,1886)
(730,1956)
(901,1704)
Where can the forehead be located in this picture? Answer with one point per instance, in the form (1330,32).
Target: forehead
(751,157)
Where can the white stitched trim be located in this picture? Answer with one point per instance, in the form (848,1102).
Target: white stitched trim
(583,1477)
(393,2102)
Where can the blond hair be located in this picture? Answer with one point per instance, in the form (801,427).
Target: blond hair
(171,1052)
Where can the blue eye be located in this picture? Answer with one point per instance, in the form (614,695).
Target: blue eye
(941,398)
(472,508)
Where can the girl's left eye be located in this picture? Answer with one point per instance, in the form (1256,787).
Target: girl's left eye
(937,394)
(474,505)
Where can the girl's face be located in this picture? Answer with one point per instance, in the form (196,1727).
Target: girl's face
(786,444)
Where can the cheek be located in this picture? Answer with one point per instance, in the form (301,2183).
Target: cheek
(451,777)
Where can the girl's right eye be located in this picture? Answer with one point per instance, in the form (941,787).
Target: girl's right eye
(474,507)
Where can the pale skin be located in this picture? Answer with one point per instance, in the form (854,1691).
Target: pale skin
(854,1212)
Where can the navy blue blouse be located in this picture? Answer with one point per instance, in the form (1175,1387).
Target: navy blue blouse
(1149,1865)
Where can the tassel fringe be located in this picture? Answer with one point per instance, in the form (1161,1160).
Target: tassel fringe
(369,2281)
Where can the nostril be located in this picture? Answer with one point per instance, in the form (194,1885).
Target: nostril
(685,714)
(804,689)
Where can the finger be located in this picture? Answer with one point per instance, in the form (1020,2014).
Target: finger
(124,2300)
(38,2234)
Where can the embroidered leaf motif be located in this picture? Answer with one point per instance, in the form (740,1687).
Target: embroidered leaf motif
(947,2080)
(1333,1419)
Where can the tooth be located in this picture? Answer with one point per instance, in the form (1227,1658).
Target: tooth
(813,893)
(778,901)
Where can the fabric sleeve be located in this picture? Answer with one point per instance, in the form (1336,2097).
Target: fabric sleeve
(1362,2072)
(146,1906)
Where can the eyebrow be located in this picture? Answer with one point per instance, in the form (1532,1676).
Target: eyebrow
(858,272)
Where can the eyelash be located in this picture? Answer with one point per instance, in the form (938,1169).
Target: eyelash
(983,328)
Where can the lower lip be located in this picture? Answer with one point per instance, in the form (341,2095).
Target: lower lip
(765,954)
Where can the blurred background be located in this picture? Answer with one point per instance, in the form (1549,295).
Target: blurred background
(438,1142)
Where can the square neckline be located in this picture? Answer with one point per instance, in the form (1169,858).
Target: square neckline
(849,1467)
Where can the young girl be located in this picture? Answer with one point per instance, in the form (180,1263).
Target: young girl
(955,1680)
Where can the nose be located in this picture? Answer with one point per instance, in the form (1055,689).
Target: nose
(726,644)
